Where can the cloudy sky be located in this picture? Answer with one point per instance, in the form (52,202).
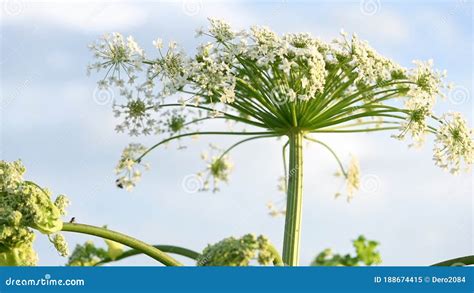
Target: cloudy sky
(52,118)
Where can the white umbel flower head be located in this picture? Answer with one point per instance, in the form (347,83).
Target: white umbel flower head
(416,122)
(352,178)
(221,30)
(128,169)
(372,66)
(118,56)
(454,147)
(218,168)
(428,82)
(136,113)
(228,95)
(280,84)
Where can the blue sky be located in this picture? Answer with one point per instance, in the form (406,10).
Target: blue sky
(50,119)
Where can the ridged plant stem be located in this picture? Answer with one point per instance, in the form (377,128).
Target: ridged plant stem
(292,236)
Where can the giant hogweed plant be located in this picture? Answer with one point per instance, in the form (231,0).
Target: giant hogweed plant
(292,86)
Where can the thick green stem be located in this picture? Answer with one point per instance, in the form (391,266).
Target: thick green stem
(291,239)
(165,248)
(123,239)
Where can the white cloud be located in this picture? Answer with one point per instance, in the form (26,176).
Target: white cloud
(89,16)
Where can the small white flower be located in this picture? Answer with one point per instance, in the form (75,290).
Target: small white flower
(228,96)
(285,65)
(199,32)
(304,82)
(158,43)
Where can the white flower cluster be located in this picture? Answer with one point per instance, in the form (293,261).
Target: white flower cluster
(256,73)
(372,67)
(352,176)
(426,86)
(217,170)
(228,95)
(221,30)
(454,147)
(213,71)
(172,68)
(294,60)
(416,123)
(128,169)
(136,113)
(121,58)
(175,123)
(211,74)
(428,83)
(267,45)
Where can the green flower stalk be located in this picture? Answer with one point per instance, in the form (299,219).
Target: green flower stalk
(293,86)
(88,254)
(119,238)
